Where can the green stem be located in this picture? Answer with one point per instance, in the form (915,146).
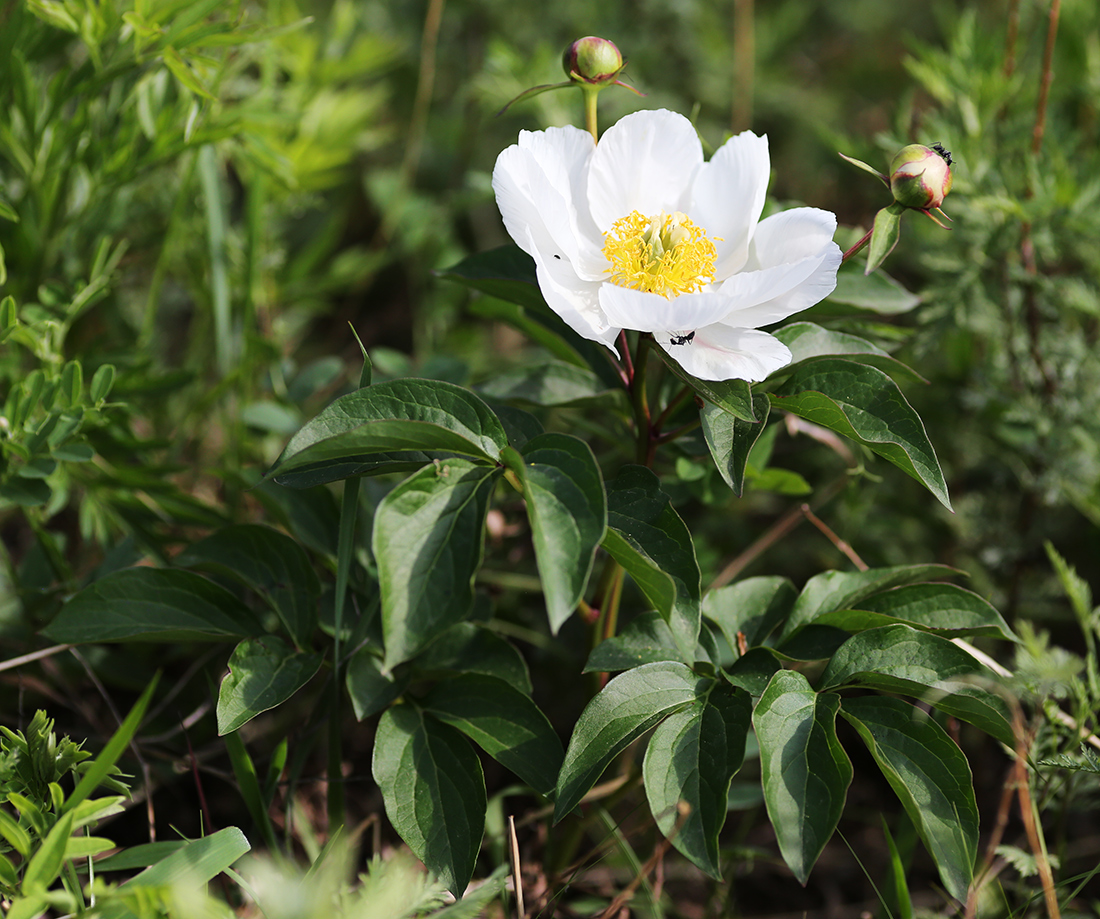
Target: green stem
(642,426)
(591,93)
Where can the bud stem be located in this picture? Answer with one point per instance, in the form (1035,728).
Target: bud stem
(859,245)
(590,95)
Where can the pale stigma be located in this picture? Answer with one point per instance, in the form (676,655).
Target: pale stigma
(667,254)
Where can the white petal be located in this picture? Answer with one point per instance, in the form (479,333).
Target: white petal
(575,300)
(537,183)
(564,155)
(804,288)
(646,312)
(728,196)
(721,353)
(645,162)
(791,235)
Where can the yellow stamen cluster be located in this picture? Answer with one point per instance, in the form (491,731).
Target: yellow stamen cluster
(667,254)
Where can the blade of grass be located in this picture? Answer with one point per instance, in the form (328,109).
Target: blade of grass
(103,763)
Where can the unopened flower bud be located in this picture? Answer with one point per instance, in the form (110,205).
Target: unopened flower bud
(920,177)
(592,60)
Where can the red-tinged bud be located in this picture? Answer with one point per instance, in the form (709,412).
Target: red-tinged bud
(592,60)
(920,177)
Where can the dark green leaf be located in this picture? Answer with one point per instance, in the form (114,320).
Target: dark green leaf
(839,590)
(691,758)
(730,439)
(808,341)
(568,513)
(25,492)
(805,772)
(941,608)
(154,604)
(520,426)
(627,707)
(645,640)
(504,722)
(469,648)
(649,539)
(863,403)
(263,672)
(733,396)
(390,426)
(897,658)
(371,687)
(507,273)
(433,789)
(270,563)
(751,608)
(931,777)
(752,671)
(428,540)
(813,643)
(553,384)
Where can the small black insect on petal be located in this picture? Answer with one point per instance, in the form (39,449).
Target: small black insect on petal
(946,154)
(558,257)
(682,339)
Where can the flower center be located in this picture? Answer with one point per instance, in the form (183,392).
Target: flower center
(667,254)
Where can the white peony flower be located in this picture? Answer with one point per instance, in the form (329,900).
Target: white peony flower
(638,232)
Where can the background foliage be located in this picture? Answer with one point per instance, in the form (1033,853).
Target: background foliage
(197,199)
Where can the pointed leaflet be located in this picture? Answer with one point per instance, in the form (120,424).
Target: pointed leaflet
(836,590)
(646,639)
(649,539)
(863,403)
(263,673)
(733,396)
(153,604)
(730,439)
(804,770)
(897,658)
(808,341)
(930,775)
(507,273)
(691,757)
(371,689)
(941,608)
(428,539)
(885,235)
(270,563)
(399,424)
(567,509)
(625,708)
(469,648)
(504,722)
(752,607)
(434,792)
